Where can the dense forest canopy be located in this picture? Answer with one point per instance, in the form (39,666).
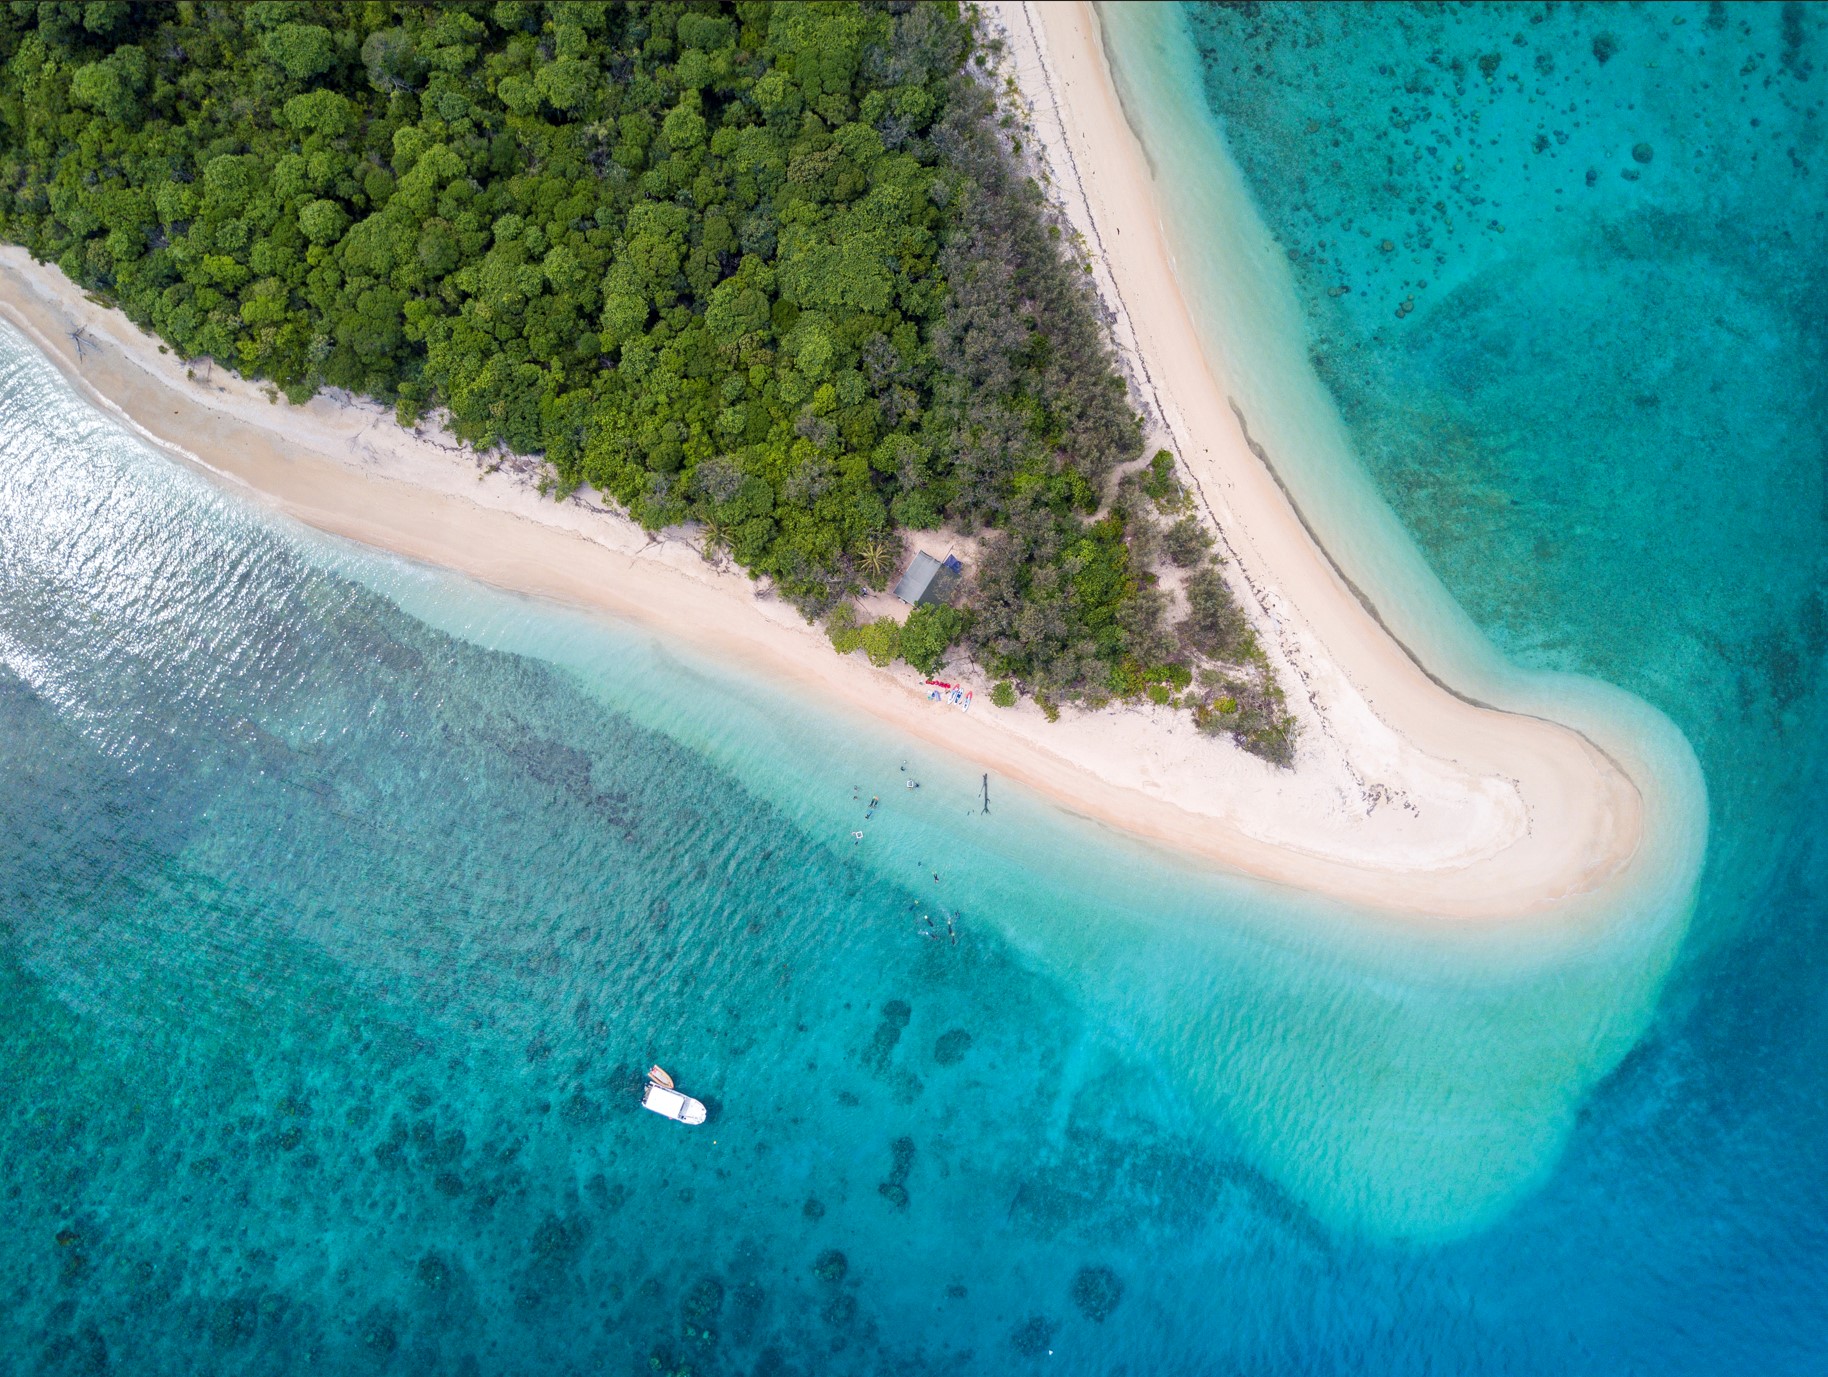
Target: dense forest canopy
(773,268)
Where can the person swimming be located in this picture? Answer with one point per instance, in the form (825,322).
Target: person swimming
(856,836)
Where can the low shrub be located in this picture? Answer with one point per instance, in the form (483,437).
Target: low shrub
(841,626)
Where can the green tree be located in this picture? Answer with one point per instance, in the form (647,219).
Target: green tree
(323,222)
(566,83)
(301,50)
(929,632)
(391,61)
(112,86)
(841,626)
(881,641)
(1187,542)
(770,267)
(877,556)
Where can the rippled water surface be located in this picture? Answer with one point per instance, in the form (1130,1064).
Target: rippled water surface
(346,902)
(1561,268)
(342,903)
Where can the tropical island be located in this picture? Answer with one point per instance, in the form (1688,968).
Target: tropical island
(776,272)
(771,300)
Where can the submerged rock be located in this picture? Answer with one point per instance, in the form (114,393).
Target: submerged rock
(1032,1337)
(1642,152)
(232,1322)
(902,1153)
(557,1240)
(950,1047)
(1097,1291)
(702,1303)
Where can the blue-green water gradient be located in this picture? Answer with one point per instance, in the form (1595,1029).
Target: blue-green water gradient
(347,900)
(1560,268)
(344,903)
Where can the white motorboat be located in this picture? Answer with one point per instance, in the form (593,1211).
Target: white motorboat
(663,1099)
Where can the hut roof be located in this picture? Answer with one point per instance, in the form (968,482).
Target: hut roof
(928,580)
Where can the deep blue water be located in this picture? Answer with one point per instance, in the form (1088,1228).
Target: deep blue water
(342,904)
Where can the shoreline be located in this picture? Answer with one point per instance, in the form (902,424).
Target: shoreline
(1405,796)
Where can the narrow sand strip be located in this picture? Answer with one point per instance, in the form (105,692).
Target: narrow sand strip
(1403,796)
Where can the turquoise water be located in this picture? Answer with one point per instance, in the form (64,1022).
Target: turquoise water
(344,903)
(1600,419)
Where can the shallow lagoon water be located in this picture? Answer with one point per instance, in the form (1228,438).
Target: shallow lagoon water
(1600,421)
(345,902)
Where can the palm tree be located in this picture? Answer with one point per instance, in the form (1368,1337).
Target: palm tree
(877,556)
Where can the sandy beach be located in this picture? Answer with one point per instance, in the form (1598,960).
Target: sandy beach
(1404,795)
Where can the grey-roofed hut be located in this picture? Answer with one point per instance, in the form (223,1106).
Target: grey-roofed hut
(929,580)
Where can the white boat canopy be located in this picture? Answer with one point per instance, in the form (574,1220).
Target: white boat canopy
(673,1105)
